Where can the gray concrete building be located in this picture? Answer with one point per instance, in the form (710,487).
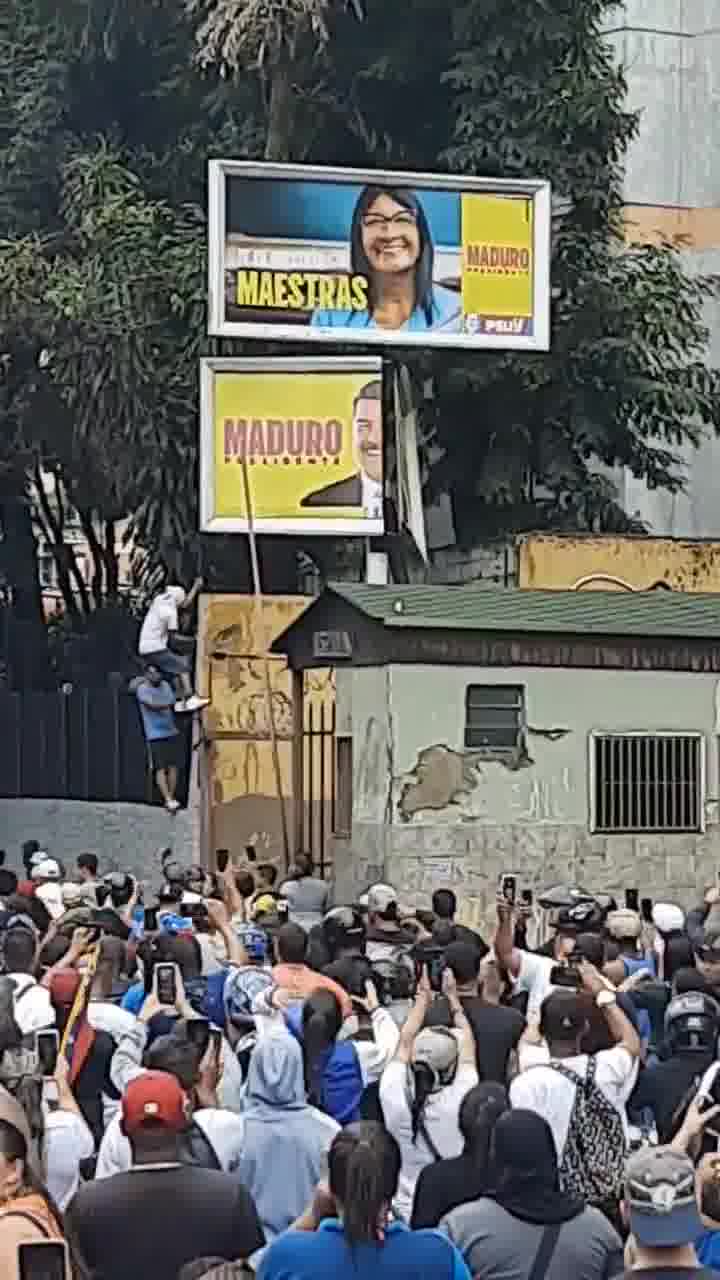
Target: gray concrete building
(558,735)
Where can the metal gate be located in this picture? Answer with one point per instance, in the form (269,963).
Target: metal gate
(319,783)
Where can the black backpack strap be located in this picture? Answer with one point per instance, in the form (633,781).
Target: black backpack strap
(543,1257)
(20,995)
(423,1131)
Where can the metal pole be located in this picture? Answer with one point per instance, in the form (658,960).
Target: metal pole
(260,632)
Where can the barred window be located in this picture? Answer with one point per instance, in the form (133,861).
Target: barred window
(494,716)
(647,782)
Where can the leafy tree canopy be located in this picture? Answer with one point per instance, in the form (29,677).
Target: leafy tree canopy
(109,112)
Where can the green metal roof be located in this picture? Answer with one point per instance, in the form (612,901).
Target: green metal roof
(475,608)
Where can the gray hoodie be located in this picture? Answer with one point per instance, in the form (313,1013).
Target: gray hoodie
(286,1141)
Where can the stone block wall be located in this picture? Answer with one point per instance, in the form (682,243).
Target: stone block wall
(126,836)
(469,858)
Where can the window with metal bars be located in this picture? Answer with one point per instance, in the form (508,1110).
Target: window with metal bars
(644,782)
(494,717)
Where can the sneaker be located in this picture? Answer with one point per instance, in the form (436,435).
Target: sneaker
(180,705)
(172,806)
(196,704)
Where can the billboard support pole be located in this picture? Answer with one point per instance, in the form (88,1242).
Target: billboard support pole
(260,632)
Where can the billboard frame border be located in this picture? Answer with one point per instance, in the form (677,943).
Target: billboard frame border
(210,365)
(538,189)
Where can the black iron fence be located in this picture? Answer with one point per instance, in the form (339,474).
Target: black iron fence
(83,745)
(319,783)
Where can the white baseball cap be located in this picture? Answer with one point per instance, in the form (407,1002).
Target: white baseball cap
(46,870)
(380,897)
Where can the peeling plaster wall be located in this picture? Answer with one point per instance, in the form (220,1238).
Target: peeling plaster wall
(427,813)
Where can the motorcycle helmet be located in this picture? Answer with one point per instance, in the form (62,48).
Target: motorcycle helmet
(692,1022)
(563,896)
(343,930)
(584,917)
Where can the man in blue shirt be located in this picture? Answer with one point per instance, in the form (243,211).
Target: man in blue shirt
(156,699)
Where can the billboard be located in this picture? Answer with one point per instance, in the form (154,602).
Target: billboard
(307,433)
(345,256)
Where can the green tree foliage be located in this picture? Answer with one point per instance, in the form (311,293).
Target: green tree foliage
(109,112)
(537,93)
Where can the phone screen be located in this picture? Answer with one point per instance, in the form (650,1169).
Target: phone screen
(508,888)
(631,899)
(216,1042)
(222,857)
(46,1045)
(527,897)
(283,908)
(43,1260)
(198,1033)
(166,983)
(151,920)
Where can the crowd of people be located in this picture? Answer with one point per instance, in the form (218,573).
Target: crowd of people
(232,1075)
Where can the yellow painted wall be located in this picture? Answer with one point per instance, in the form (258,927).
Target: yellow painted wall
(617,564)
(241,796)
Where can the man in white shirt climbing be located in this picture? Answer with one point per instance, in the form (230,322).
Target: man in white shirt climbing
(160,624)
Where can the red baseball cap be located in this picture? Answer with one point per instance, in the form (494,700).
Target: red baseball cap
(154,1099)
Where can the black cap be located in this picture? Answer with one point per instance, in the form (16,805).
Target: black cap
(562,1016)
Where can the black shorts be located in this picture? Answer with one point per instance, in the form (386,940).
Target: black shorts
(165,753)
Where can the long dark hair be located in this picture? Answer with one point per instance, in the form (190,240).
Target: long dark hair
(480,1110)
(423,1084)
(14,1147)
(364,1166)
(321,1021)
(359,264)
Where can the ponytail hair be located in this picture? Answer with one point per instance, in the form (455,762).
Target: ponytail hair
(364,1167)
(480,1109)
(321,1022)
(424,1082)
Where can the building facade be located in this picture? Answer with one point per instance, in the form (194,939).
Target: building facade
(557,735)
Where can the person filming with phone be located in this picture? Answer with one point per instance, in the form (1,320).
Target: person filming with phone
(583,1096)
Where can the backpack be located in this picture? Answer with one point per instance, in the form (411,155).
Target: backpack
(594,1156)
(197,1149)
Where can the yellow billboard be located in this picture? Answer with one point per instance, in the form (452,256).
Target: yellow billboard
(304,436)
(497,276)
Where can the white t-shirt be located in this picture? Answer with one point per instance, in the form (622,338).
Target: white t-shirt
(67,1141)
(160,619)
(223,1130)
(33,1010)
(372,497)
(441,1120)
(711,1132)
(546,1091)
(534,977)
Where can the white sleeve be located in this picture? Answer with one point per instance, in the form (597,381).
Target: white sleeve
(114,1155)
(67,1141)
(231,1090)
(393,1094)
(706,1083)
(614,1070)
(534,977)
(170,616)
(374,1055)
(111,1018)
(126,1064)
